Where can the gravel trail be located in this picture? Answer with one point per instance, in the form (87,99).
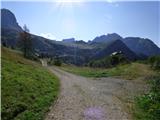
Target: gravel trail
(93,99)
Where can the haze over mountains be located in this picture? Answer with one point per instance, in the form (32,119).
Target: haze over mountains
(78,52)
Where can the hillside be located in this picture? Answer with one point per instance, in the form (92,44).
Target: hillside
(116,46)
(142,46)
(27,89)
(77,52)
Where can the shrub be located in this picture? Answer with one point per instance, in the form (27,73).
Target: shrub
(149,104)
(154,62)
(109,61)
(55,61)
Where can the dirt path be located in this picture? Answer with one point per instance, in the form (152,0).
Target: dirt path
(97,99)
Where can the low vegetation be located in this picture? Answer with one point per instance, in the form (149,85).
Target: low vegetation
(109,61)
(147,106)
(55,61)
(154,62)
(27,89)
(126,71)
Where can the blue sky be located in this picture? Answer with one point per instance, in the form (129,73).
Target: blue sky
(86,20)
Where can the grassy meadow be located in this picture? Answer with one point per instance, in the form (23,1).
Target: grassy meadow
(126,71)
(27,89)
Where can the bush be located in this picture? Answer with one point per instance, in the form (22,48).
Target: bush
(55,61)
(154,62)
(149,104)
(109,61)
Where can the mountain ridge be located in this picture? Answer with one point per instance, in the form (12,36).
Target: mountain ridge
(116,46)
(71,50)
(8,20)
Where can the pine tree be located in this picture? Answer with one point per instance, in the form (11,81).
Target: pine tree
(26,43)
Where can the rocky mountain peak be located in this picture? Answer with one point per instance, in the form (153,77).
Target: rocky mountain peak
(8,20)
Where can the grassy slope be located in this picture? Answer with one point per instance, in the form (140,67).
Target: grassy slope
(128,71)
(27,89)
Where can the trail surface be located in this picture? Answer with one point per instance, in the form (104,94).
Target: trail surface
(93,99)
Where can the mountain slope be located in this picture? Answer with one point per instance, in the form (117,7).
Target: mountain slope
(69,40)
(69,50)
(74,53)
(8,20)
(142,46)
(116,46)
(107,38)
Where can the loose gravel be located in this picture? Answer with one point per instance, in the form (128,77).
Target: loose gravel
(93,99)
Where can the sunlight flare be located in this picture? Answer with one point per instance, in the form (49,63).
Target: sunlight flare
(70,1)
(67,7)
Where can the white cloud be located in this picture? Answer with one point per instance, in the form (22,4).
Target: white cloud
(48,35)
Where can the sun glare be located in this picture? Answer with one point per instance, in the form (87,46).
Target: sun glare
(66,15)
(69,1)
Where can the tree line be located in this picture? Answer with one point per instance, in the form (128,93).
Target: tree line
(109,61)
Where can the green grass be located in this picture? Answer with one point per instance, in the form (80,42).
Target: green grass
(84,71)
(147,106)
(27,89)
(127,71)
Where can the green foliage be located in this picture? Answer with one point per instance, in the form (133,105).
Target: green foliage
(109,61)
(127,71)
(27,89)
(154,62)
(55,61)
(148,105)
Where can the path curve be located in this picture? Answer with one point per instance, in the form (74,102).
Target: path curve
(92,99)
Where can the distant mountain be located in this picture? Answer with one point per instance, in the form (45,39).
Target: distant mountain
(142,46)
(69,40)
(116,46)
(69,54)
(73,51)
(102,41)
(80,42)
(8,21)
(76,54)
(107,38)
